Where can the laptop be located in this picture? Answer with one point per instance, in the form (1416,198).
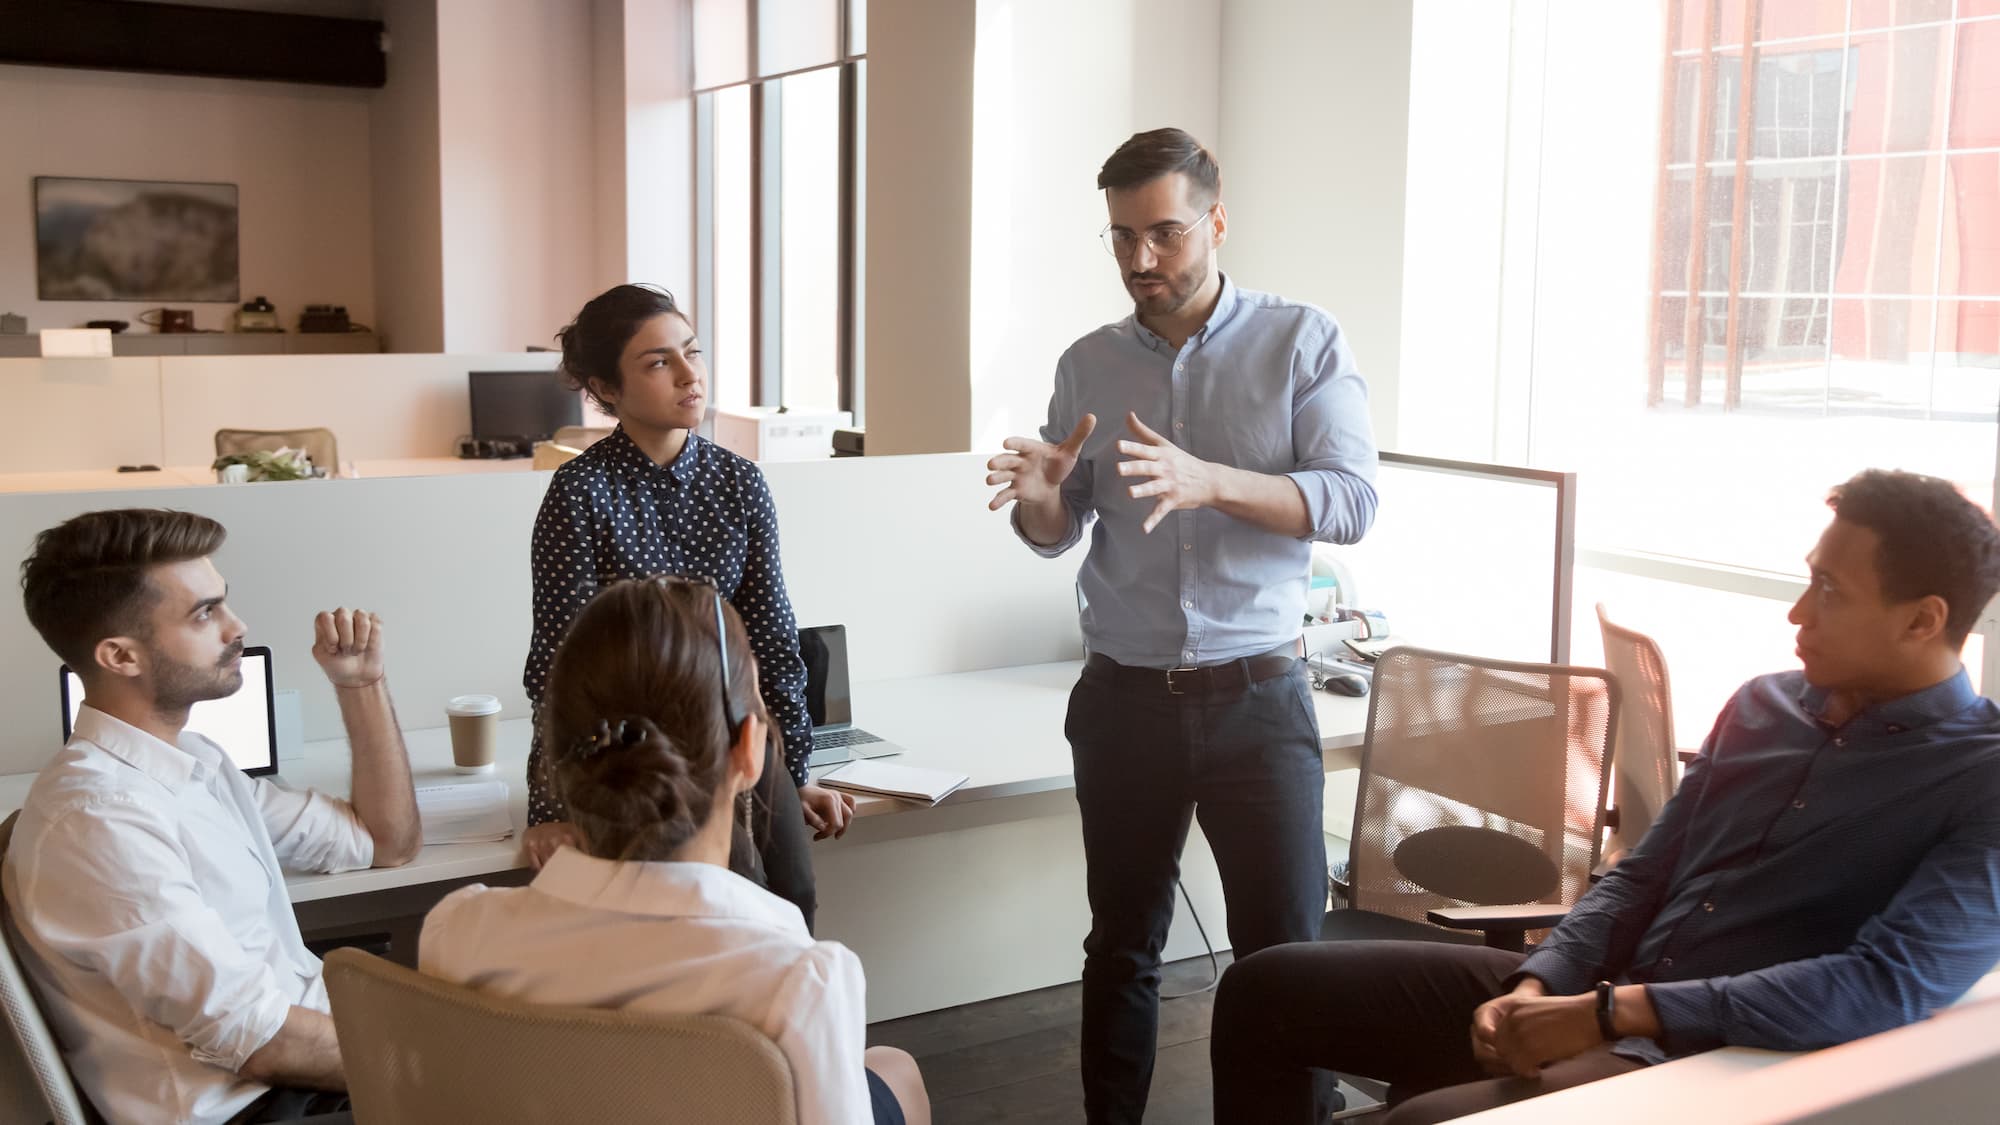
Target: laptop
(245,725)
(835,737)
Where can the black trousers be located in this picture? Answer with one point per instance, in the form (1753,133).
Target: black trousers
(294,1104)
(1396,1011)
(1247,764)
(777,849)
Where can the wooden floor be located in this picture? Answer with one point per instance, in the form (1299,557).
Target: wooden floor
(1015,1059)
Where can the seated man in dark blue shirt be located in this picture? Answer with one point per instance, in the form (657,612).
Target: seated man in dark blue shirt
(1829,869)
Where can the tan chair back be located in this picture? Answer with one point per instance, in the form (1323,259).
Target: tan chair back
(580,438)
(418,1049)
(1482,783)
(317,441)
(1646,771)
(35,1083)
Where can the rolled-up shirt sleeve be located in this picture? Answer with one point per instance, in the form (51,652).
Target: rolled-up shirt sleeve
(1076,491)
(313,832)
(1333,441)
(144,928)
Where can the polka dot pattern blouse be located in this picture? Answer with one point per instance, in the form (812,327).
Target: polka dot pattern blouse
(612,513)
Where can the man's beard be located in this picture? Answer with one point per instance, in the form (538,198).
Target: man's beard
(178,686)
(1179,290)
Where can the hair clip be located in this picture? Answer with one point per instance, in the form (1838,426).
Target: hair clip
(627,732)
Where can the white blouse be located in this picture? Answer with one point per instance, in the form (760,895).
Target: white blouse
(674,938)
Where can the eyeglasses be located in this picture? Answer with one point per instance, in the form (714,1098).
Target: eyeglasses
(1164,243)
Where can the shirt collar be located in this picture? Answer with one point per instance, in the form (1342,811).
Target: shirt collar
(665,890)
(171,765)
(1916,710)
(622,452)
(1226,303)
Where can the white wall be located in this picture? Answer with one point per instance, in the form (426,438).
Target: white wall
(299,156)
(403,134)
(1315,132)
(656,168)
(517,167)
(1057,86)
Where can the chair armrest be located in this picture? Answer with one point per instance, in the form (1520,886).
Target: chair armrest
(1533,916)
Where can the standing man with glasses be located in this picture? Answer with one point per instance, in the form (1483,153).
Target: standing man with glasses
(1245,438)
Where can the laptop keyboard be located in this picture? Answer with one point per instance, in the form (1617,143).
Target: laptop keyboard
(837,739)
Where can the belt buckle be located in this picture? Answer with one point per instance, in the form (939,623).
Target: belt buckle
(1171,688)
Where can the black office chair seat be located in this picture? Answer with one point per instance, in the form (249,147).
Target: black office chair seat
(1366,925)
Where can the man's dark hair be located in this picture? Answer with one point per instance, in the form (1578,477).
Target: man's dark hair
(1934,541)
(86,579)
(1161,152)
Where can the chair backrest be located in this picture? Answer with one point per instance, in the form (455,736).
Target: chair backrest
(580,437)
(421,1049)
(1645,770)
(1482,782)
(51,1095)
(317,441)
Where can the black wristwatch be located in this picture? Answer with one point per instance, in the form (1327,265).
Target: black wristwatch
(1607,1009)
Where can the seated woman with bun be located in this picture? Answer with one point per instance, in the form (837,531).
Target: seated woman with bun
(655,737)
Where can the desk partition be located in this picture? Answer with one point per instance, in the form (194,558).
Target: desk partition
(1470,557)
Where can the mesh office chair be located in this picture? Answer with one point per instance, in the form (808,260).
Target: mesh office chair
(317,441)
(1481,802)
(421,1049)
(1645,771)
(35,1083)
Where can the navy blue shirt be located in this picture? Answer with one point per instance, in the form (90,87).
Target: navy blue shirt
(1808,884)
(612,513)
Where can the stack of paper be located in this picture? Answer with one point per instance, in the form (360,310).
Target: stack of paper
(464,812)
(912,783)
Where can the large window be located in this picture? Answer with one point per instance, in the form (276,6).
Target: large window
(1745,249)
(777,157)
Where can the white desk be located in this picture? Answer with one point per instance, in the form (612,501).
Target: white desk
(183,476)
(1002,728)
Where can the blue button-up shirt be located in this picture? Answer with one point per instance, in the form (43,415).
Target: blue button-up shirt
(1267,385)
(1808,884)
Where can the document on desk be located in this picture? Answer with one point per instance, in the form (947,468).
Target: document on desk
(465,812)
(912,783)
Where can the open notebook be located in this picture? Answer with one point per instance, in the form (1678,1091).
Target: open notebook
(464,812)
(912,783)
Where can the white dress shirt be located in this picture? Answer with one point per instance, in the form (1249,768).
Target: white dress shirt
(146,881)
(678,938)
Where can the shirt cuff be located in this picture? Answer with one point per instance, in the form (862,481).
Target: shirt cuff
(229,1045)
(1069,539)
(1692,1014)
(1558,974)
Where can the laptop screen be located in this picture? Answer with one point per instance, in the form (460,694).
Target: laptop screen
(245,725)
(824,648)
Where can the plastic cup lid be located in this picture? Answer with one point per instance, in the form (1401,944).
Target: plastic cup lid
(473,705)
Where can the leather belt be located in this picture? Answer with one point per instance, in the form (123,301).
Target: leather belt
(1229,676)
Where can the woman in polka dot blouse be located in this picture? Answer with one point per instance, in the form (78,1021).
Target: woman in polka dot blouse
(655,498)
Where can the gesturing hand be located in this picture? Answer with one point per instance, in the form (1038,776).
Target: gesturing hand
(348,645)
(1032,472)
(1179,478)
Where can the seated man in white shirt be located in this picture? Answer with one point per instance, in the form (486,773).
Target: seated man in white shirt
(653,729)
(145,870)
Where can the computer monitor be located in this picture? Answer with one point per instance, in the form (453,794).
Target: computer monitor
(824,648)
(245,725)
(531,405)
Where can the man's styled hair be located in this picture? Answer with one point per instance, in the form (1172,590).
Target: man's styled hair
(1161,152)
(1934,541)
(86,579)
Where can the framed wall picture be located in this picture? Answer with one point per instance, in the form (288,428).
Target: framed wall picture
(135,240)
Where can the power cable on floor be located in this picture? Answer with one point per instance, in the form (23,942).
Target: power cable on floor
(1214,968)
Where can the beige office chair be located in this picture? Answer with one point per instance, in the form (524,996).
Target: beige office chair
(418,1049)
(317,441)
(35,1083)
(1646,771)
(1481,802)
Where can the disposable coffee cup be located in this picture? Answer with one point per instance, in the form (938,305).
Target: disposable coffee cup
(475,731)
